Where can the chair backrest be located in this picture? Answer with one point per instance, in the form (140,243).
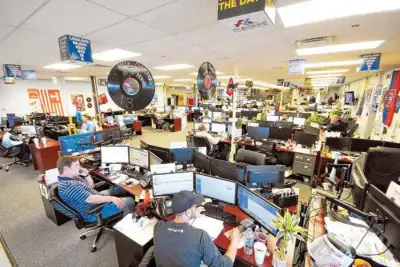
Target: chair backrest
(64,208)
(250,157)
(352,131)
(202,141)
(9,152)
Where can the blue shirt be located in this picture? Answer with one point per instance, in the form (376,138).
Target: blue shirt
(74,192)
(127,121)
(88,127)
(8,141)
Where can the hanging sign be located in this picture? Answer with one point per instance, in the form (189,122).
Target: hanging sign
(370,62)
(230,87)
(33,93)
(75,49)
(375,98)
(341,80)
(390,106)
(9,80)
(12,71)
(286,84)
(102,99)
(280,82)
(58,79)
(296,66)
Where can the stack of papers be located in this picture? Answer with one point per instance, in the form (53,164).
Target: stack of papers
(326,254)
(212,226)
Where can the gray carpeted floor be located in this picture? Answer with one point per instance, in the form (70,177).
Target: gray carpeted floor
(35,241)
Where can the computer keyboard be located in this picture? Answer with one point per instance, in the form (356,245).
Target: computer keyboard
(219,214)
(133,174)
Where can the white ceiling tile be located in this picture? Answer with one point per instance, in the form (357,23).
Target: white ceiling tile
(123,33)
(4,30)
(182,15)
(14,12)
(76,17)
(130,7)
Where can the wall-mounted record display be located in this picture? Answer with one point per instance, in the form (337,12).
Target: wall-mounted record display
(131,85)
(207,81)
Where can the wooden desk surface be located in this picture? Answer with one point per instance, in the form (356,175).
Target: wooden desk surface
(223,242)
(51,143)
(135,190)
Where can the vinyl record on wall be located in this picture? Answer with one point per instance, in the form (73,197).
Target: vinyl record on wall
(131,85)
(207,81)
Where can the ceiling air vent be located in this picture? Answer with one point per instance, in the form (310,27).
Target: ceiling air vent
(314,42)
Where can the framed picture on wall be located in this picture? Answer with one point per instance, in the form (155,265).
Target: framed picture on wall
(78,101)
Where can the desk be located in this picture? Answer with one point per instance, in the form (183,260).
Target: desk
(45,157)
(145,119)
(177,122)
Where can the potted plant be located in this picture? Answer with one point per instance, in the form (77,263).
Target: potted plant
(314,118)
(289,231)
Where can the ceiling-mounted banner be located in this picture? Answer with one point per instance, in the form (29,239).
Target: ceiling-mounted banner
(12,71)
(370,62)
(341,80)
(296,66)
(234,8)
(75,49)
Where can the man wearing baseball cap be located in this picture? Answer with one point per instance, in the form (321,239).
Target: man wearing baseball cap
(178,244)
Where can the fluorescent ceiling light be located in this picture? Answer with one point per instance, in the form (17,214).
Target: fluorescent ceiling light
(333,64)
(159,84)
(183,80)
(174,67)
(323,76)
(62,66)
(320,10)
(162,77)
(115,54)
(75,78)
(327,71)
(339,48)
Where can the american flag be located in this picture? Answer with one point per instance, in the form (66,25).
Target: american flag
(51,101)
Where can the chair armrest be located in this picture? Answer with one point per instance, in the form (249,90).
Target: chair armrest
(98,207)
(99,184)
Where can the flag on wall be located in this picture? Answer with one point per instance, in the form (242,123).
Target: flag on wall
(51,101)
(391,99)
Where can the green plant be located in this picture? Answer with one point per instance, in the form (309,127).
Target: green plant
(315,119)
(337,110)
(289,230)
(240,122)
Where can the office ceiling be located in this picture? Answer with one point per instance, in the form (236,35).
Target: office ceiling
(178,31)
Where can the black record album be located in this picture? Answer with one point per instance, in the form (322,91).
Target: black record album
(131,85)
(207,81)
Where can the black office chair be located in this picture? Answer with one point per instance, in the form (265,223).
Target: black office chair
(12,153)
(201,141)
(148,260)
(158,123)
(352,131)
(100,225)
(250,157)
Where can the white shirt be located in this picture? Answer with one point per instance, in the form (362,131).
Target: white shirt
(211,139)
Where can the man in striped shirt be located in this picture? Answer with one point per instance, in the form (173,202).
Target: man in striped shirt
(79,193)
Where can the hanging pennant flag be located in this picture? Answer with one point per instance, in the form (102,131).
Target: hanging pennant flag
(75,49)
(370,62)
(391,99)
(230,87)
(12,71)
(51,101)
(296,66)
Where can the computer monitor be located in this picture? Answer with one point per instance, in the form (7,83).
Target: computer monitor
(182,155)
(273,118)
(115,154)
(338,143)
(216,114)
(10,119)
(75,143)
(280,133)
(253,124)
(218,127)
(265,175)
(245,114)
(161,152)
(305,139)
(201,162)
(299,121)
(359,181)
(143,145)
(239,131)
(258,208)
(28,129)
(172,183)
(197,125)
(289,119)
(216,188)
(377,200)
(362,145)
(110,119)
(258,132)
(284,124)
(153,159)
(266,124)
(228,170)
(312,130)
(139,157)
(103,137)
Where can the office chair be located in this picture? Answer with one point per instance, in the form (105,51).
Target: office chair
(148,260)
(156,124)
(352,131)
(101,225)
(201,141)
(250,157)
(12,153)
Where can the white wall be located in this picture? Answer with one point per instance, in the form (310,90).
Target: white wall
(14,97)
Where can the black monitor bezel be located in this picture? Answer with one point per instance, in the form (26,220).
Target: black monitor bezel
(218,178)
(227,162)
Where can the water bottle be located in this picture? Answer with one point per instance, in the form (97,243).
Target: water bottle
(248,246)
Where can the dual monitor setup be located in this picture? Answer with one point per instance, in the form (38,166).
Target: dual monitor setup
(356,144)
(218,127)
(219,190)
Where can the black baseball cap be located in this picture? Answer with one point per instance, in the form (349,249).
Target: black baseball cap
(184,200)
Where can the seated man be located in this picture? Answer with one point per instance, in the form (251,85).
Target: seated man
(337,125)
(88,125)
(206,118)
(203,132)
(178,244)
(13,138)
(285,117)
(79,193)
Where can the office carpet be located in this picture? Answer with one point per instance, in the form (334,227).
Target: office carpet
(35,241)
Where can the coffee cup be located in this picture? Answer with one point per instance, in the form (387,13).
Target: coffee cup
(44,141)
(36,141)
(260,250)
(261,237)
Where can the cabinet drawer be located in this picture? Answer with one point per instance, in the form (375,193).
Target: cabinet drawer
(303,168)
(304,158)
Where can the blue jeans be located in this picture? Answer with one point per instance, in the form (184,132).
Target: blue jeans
(111,209)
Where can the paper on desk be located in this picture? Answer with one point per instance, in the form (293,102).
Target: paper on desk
(121,178)
(212,226)
(326,254)
(133,231)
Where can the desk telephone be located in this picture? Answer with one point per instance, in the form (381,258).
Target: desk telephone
(164,207)
(145,180)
